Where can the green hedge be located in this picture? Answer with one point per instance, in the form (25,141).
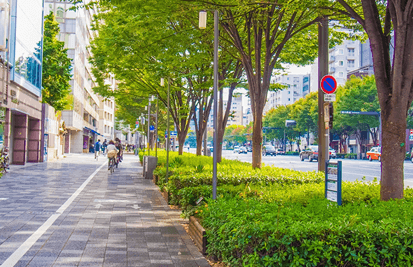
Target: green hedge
(279,217)
(254,233)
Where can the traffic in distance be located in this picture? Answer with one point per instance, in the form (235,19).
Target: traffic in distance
(353,169)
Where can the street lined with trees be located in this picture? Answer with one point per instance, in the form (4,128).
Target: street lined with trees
(265,35)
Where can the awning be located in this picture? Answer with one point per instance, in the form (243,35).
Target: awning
(93,131)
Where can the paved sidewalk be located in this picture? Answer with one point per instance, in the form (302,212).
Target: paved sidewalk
(71,213)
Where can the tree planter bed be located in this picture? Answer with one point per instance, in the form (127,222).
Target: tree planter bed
(197,232)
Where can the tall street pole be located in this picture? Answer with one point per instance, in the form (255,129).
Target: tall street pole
(216,35)
(322,71)
(156,133)
(168,137)
(149,126)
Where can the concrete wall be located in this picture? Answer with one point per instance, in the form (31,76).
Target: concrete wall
(76,141)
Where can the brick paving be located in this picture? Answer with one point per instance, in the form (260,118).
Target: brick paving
(118,219)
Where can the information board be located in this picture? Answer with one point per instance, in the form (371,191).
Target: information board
(333,181)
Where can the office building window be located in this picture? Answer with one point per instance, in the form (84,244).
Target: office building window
(341,51)
(350,52)
(70,25)
(340,74)
(289,99)
(350,63)
(341,63)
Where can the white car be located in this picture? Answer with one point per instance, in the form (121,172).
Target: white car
(332,153)
(236,149)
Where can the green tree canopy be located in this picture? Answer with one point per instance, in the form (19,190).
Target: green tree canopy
(57,67)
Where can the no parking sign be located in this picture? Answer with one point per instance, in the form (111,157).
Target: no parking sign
(328,84)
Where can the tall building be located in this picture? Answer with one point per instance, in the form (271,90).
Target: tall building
(297,86)
(345,60)
(236,112)
(21,78)
(90,114)
(107,113)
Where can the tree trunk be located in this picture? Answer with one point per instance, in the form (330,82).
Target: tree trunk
(393,151)
(257,142)
(199,136)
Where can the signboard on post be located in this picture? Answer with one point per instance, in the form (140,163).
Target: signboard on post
(330,97)
(333,181)
(174,133)
(152,128)
(328,84)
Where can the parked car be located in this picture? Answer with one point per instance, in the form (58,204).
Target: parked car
(280,151)
(333,153)
(249,148)
(242,149)
(310,153)
(236,149)
(269,150)
(374,153)
(211,148)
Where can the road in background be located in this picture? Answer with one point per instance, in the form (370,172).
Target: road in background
(352,169)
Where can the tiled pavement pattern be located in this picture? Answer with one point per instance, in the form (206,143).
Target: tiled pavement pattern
(119,219)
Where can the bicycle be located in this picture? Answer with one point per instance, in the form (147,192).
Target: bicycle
(111,165)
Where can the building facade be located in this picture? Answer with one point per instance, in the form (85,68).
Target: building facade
(90,116)
(297,86)
(21,22)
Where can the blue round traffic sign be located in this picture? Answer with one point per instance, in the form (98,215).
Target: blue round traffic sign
(328,84)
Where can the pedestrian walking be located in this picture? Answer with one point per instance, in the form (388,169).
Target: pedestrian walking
(104,146)
(98,147)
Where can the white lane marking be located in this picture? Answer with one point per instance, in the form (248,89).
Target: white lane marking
(111,200)
(3,198)
(19,253)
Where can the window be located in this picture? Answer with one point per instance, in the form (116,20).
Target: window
(350,52)
(340,74)
(341,63)
(289,99)
(60,13)
(70,25)
(296,79)
(289,92)
(341,51)
(350,63)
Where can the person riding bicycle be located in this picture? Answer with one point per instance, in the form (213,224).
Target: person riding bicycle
(111,151)
(118,145)
(98,147)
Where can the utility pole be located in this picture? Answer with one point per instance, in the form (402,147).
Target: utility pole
(322,71)
(156,133)
(149,126)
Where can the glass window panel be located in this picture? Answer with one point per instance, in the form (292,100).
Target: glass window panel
(26,50)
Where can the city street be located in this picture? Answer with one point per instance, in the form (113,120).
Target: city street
(352,169)
(73,212)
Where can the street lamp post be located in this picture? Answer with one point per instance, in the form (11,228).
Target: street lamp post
(202,25)
(156,133)
(168,138)
(149,126)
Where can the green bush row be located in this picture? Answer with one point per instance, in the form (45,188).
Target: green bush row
(251,232)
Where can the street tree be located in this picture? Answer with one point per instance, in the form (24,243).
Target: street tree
(358,94)
(56,66)
(389,25)
(305,112)
(139,53)
(262,32)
